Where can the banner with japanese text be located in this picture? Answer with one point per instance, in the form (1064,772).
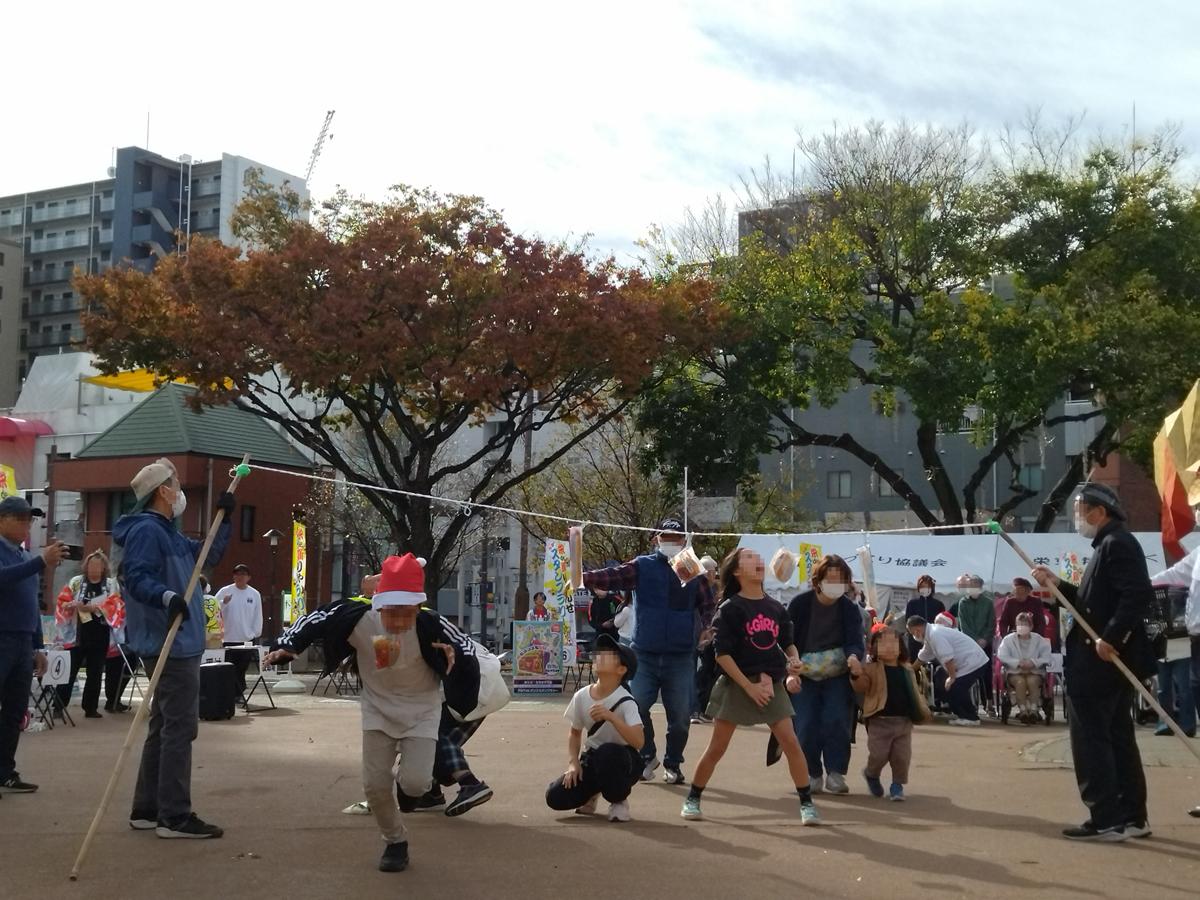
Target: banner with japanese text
(294,604)
(560,600)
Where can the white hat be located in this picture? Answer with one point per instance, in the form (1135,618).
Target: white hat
(150,479)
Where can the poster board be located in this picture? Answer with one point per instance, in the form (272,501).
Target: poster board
(58,667)
(560,599)
(295,603)
(537,657)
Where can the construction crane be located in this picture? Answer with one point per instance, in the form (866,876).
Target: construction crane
(316,150)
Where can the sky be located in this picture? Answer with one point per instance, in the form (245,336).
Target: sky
(575,119)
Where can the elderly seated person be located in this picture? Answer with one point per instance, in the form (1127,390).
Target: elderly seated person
(1025,656)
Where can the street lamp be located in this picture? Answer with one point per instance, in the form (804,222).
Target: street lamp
(273,536)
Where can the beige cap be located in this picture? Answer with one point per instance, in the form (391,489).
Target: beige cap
(150,479)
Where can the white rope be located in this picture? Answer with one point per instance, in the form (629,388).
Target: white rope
(466,506)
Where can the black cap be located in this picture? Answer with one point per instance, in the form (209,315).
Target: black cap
(241,567)
(1096,494)
(605,641)
(671,523)
(18,506)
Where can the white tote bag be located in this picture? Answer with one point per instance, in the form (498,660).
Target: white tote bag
(493,692)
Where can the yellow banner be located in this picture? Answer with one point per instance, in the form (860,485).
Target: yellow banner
(8,482)
(806,561)
(296,605)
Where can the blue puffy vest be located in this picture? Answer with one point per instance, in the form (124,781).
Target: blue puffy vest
(665,608)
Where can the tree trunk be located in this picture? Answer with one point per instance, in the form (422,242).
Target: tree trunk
(1099,448)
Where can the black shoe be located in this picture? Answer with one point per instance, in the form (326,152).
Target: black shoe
(672,776)
(191,826)
(395,858)
(119,707)
(1089,832)
(1194,813)
(143,820)
(469,796)
(431,799)
(1138,829)
(93,714)
(14,785)
(406,803)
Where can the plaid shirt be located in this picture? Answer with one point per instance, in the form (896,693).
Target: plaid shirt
(624,578)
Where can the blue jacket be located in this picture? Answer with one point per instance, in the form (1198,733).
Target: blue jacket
(666,609)
(800,609)
(19,577)
(158,559)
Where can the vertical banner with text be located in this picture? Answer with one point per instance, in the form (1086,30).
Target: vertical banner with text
(294,605)
(559,596)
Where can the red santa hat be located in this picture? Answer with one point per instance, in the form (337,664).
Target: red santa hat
(401,583)
(944,618)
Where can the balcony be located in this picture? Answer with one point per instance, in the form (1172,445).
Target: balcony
(61,242)
(48,276)
(108,204)
(106,235)
(78,209)
(58,307)
(206,188)
(56,338)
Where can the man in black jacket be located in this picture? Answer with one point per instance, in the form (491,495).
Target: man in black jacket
(1113,597)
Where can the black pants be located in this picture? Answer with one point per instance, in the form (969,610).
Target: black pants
(90,655)
(16,676)
(706,676)
(609,770)
(1108,766)
(116,677)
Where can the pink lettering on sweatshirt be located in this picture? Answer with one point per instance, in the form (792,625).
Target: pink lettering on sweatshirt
(763,632)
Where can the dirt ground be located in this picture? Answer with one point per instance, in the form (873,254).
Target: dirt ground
(982,820)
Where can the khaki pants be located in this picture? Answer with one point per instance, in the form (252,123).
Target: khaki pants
(1027,690)
(381,772)
(889,741)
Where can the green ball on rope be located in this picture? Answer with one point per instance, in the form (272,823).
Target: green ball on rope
(241,470)
(994,527)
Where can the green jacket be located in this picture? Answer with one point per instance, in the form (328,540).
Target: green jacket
(977,617)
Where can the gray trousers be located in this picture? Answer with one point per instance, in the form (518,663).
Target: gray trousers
(164,781)
(381,772)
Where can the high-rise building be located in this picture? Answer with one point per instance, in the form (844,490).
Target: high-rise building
(10,319)
(132,216)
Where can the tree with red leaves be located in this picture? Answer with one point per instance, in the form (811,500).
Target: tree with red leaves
(395,327)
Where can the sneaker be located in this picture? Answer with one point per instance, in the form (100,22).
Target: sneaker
(14,785)
(673,776)
(1089,832)
(93,714)
(431,799)
(1194,812)
(816,785)
(469,796)
(874,785)
(835,783)
(618,812)
(191,826)
(1138,829)
(696,720)
(809,814)
(589,808)
(1162,731)
(143,820)
(361,808)
(648,772)
(896,793)
(964,723)
(395,857)
(691,809)
(705,719)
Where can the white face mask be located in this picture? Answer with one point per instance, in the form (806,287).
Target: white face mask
(669,550)
(973,592)
(833,589)
(179,505)
(1083,527)
(925,592)
(1023,630)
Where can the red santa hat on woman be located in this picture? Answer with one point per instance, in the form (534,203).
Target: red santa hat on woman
(401,583)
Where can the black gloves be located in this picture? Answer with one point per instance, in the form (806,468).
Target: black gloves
(225,501)
(177,606)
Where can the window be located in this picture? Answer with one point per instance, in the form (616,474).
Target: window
(1031,477)
(1081,392)
(119,503)
(837,486)
(885,489)
(246,528)
(65,328)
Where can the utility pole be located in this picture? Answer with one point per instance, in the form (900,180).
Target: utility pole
(521,599)
(483,584)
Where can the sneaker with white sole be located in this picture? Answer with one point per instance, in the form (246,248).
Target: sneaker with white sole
(691,810)
(14,785)
(589,808)
(809,814)
(1089,832)
(142,820)
(816,785)
(469,796)
(651,766)
(673,776)
(896,793)
(618,812)
(358,808)
(835,783)
(190,827)
(965,723)
(1138,829)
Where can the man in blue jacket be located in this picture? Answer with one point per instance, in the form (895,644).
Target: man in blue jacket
(664,639)
(21,654)
(158,562)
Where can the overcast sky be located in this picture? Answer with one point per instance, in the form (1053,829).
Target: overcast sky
(573,118)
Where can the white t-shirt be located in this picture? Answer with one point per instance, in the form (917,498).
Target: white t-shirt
(579,715)
(626,621)
(403,698)
(241,617)
(944,643)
